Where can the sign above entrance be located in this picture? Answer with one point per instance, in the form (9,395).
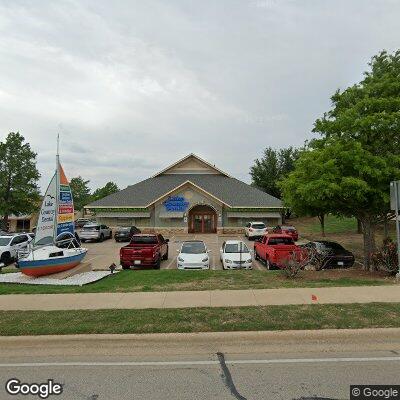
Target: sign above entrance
(176,203)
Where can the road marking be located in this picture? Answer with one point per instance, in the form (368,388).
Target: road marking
(200,362)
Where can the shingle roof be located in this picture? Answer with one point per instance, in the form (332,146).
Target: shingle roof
(229,190)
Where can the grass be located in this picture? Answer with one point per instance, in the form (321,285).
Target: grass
(335,316)
(169,280)
(333,224)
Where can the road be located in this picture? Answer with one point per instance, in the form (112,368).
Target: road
(252,365)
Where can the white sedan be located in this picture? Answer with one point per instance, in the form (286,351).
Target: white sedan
(193,255)
(235,254)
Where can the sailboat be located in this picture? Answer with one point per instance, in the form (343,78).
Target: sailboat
(55,247)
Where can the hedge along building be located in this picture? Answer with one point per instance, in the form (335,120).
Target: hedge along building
(189,196)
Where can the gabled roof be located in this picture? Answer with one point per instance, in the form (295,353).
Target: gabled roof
(197,159)
(229,191)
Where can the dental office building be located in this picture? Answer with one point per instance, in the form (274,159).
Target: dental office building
(189,196)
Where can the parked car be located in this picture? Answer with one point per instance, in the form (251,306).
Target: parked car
(235,254)
(96,232)
(275,249)
(144,250)
(193,255)
(287,230)
(125,233)
(255,230)
(11,244)
(329,254)
(81,222)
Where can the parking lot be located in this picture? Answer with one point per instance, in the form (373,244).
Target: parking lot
(102,255)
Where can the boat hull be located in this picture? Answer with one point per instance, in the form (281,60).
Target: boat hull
(50,266)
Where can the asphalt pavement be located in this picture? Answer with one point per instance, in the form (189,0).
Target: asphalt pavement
(241,365)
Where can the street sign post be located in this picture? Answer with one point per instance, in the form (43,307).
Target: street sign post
(394,205)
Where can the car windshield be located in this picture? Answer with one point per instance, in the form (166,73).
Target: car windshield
(281,240)
(144,240)
(4,241)
(193,248)
(330,246)
(236,248)
(91,228)
(258,226)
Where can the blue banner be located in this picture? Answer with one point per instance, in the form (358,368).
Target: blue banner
(176,203)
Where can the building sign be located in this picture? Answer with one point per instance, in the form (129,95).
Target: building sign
(176,203)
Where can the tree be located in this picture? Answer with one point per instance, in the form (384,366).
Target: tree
(304,190)
(19,192)
(273,167)
(346,179)
(80,192)
(109,188)
(368,113)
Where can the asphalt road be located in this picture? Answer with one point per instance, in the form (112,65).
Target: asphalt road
(258,365)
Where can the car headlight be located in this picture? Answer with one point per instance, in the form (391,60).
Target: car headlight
(180,259)
(204,259)
(227,261)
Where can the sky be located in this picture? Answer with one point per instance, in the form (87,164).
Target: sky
(133,86)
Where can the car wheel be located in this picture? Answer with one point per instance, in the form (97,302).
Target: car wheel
(125,267)
(6,259)
(83,240)
(158,263)
(101,238)
(256,255)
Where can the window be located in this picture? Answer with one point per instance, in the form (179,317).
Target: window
(144,240)
(282,240)
(258,226)
(236,248)
(4,241)
(193,248)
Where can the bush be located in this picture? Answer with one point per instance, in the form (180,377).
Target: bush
(386,258)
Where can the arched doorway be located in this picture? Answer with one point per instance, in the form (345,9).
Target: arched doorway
(202,219)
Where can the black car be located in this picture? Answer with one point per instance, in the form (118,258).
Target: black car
(124,234)
(328,254)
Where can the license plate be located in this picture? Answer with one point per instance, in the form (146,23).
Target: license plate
(340,263)
(137,262)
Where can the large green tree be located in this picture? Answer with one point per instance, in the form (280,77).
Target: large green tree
(274,165)
(346,179)
(19,193)
(106,190)
(368,113)
(80,192)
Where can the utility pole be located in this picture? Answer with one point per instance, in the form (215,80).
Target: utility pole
(394,202)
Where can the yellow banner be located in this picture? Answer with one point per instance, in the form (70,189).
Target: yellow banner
(65,218)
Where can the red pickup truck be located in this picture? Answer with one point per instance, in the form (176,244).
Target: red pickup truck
(144,250)
(275,249)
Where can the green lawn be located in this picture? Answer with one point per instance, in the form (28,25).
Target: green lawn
(333,224)
(168,280)
(339,316)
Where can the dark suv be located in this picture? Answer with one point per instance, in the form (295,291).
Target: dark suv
(125,233)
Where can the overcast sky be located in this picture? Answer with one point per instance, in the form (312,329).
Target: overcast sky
(132,86)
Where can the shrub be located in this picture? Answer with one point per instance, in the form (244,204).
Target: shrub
(386,258)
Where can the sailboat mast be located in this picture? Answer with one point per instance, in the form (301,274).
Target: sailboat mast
(57,187)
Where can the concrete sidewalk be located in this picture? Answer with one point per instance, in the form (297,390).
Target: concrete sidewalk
(210,298)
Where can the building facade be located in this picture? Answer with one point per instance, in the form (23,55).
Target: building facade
(189,196)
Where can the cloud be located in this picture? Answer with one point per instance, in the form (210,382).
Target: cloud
(134,86)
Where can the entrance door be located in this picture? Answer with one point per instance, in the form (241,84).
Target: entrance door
(202,219)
